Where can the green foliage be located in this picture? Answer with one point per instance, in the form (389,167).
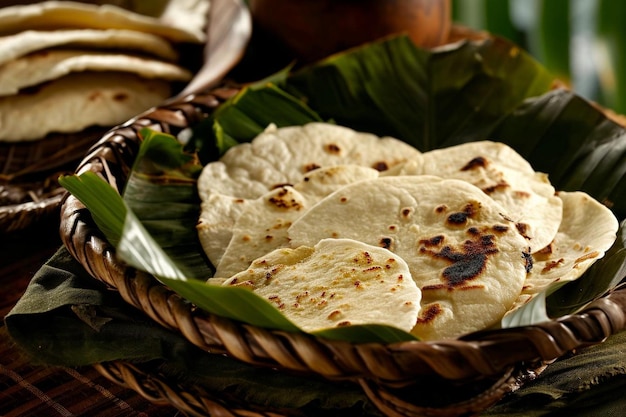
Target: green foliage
(581,43)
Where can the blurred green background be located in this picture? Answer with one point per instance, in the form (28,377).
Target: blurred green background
(583,42)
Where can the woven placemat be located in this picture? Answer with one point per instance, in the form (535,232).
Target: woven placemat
(29,191)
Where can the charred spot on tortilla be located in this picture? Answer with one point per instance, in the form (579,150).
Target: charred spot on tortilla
(528,259)
(380,166)
(433,241)
(310,167)
(522,229)
(468,262)
(461,217)
(120,97)
(499,186)
(500,228)
(332,148)
(478,162)
(386,242)
(551,265)
(428,315)
(281,202)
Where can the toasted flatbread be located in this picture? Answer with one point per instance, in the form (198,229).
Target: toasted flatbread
(338,282)
(462,250)
(179,20)
(526,195)
(27,42)
(261,225)
(77,101)
(282,156)
(48,65)
(587,231)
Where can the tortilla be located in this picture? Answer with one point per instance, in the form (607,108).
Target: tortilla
(461,248)
(588,230)
(338,282)
(527,196)
(27,42)
(44,66)
(180,20)
(280,156)
(77,101)
(218,214)
(261,224)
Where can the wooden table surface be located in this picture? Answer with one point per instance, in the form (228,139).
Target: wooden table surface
(30,390)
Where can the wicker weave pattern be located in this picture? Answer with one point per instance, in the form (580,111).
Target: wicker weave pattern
(494,361)
(193,401)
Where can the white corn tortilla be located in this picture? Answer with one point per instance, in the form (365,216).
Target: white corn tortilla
(176,20)
(43,66)
(526,195)
(338,282)
(462,251)
(588,230)
(27,42)
(218,214)
(77,101)
(282,156)
(262,223)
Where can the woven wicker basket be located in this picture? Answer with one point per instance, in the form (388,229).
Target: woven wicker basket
(444,378)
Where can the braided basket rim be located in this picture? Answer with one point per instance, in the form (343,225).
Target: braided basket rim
(377,367)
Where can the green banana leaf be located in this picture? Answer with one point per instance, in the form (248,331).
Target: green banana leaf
(247,115)
(430,99)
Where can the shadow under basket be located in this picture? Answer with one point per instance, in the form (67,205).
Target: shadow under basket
(439,378)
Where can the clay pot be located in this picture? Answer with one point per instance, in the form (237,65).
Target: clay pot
(313,29)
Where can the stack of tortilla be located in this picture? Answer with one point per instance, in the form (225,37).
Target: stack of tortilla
(66,66)
(70,71)
(337,227)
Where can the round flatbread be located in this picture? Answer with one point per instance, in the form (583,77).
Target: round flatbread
(462,250)
(338,282)
(77,101)
(27,42)
(587,231)
(527,196)
(281,156)
(218,214)
(261,224)
(48,65)
(180,20)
